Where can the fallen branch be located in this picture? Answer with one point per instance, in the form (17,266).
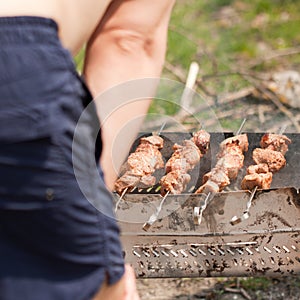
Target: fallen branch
(238,291)
(176,71)
(274,55)
(274,98)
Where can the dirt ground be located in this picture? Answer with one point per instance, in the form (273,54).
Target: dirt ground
(220,289)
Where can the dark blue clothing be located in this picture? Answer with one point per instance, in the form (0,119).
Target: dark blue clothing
(54,244)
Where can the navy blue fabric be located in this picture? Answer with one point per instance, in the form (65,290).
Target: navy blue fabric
(54,244)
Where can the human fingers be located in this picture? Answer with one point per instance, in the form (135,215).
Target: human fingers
(130,284)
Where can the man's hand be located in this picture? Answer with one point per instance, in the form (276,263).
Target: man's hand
(124,289)
(130,284)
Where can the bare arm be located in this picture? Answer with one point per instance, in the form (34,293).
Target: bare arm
(129,44)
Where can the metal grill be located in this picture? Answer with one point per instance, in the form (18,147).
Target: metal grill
(267,243)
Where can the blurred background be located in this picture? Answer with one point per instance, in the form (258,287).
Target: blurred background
(248,54)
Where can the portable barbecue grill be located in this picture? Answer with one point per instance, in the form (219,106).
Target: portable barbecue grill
(267,243)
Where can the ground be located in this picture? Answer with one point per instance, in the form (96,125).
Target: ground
(220,289)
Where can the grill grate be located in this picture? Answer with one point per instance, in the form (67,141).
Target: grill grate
(231,259)
(267,243)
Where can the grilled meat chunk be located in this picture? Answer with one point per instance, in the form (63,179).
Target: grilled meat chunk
(208,187)
(261,180)
(146,181)
(274,159)
(231,155)
(174,182)
(191,152)
(202,140)
(184,157)
(232,163)
(177,164)
(218,176)
(127,180)
(240,140)
(231,149)
(145,160)
(276,142)
(154,140)
(260,168)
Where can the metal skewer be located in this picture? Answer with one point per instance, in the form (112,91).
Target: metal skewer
(161,128)
(120,198)
(241,127)
(185,101)
(198,210)
(236,220)
(154,217)
(134,187)
(282,129)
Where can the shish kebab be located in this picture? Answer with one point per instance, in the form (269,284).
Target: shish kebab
(230,160)
(141,164)
(268,159)
(184,158)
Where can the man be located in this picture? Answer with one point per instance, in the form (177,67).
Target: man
(53,243)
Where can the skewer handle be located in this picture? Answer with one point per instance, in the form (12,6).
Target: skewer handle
(236,220)
(154,217)
(249,203)
(198,210)
(121,197)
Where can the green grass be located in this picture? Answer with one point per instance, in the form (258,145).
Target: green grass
(79,60)
(257,283)
(275,23)
(224,35)
(249,283)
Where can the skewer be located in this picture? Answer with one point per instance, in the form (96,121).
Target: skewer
(120,198)
(186,99)
(134,187)
(236,220)
(153,133)
(154,217)
(198,210)
(161,128)
(241,127)
(282,129)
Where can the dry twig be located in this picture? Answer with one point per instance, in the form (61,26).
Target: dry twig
(274,98)
(273,55)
